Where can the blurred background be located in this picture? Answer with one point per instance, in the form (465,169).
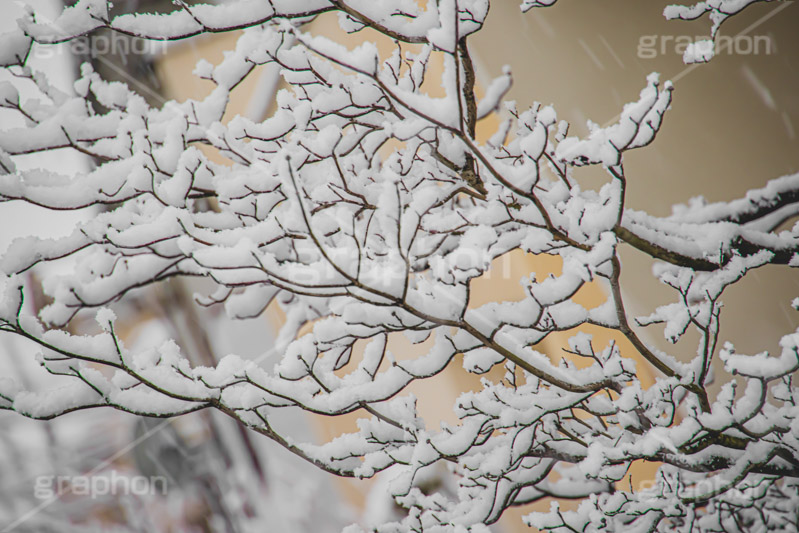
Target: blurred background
(732,127)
